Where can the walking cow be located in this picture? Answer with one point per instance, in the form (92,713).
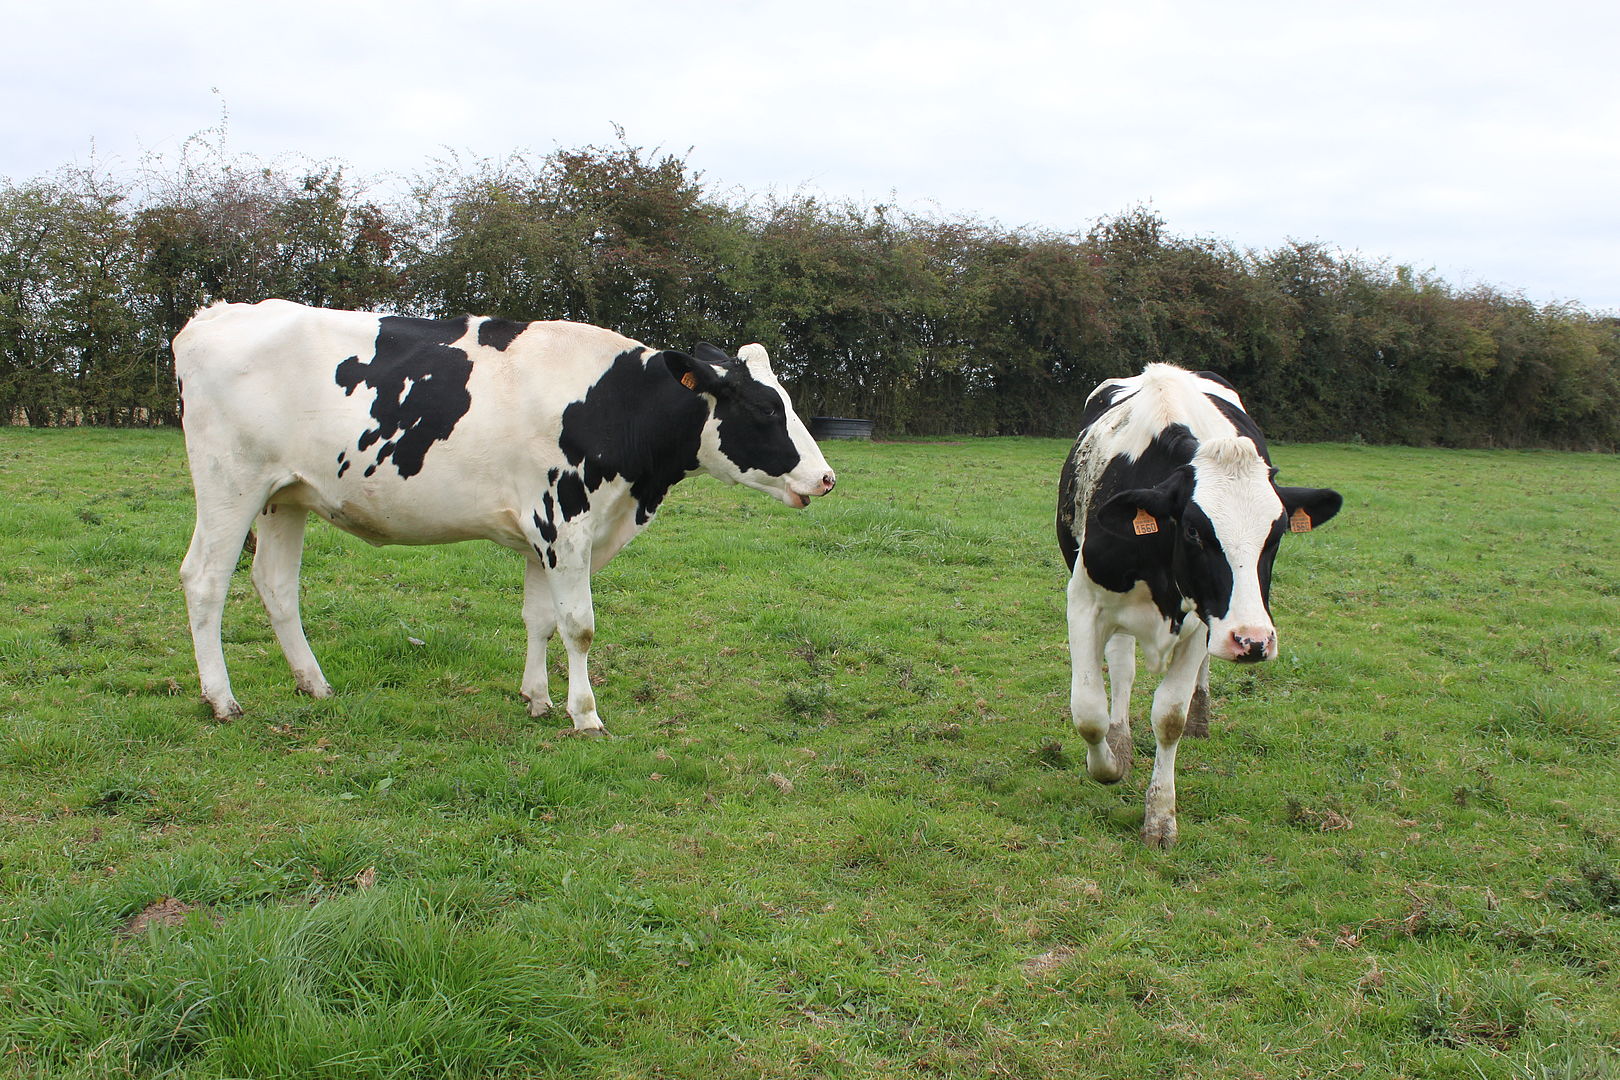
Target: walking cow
(1169,519)
(555,439)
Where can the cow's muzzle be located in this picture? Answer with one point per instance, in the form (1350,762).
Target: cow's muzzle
(801,499)
(1247,645)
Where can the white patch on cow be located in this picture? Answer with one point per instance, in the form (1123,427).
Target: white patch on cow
(1162,395)
(1233,487)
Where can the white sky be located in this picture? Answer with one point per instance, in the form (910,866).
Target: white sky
(1479,140)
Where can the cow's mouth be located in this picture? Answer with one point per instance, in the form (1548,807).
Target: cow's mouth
(795,500)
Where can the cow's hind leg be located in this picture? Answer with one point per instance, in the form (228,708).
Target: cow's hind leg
(276,562)
(1121,655)
(205,575)
(576,618)
(1198,709)
(540,622)
(1170,703)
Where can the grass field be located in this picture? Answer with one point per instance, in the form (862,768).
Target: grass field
(844,830)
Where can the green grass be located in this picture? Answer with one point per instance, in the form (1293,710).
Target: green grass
(844,830)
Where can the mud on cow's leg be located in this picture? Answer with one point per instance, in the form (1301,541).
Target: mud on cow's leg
(1198,708)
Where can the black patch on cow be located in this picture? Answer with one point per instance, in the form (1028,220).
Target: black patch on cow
(594,474)
(498,333)
(1242,424)
(753,424)
(415,352)
(1200,566)
(547,527)
(1217,379)
(637,422)
(1117,563)
(572,498)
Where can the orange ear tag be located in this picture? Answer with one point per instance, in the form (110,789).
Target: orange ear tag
(689,380)
(1299,521)
(1144,523)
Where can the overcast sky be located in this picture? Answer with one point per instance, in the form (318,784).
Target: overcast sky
(1479,140)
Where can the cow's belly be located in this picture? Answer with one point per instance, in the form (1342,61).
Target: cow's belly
(385,512)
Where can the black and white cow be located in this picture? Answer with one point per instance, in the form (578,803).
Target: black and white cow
(555,439)
(1169,519)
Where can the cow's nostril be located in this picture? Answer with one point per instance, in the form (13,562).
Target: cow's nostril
(829,481)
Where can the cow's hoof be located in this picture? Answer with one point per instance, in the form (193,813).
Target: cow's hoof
(587,733)
(1197,716)
(1159,834)
(318,690)
(538,708)
(225,711)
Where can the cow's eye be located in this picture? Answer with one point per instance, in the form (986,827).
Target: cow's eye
(1193,536)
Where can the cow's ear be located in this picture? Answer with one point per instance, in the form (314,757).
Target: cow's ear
(1146,511)
(712,354)
(698,375)
(1308,507)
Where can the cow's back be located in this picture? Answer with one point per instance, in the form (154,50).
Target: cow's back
(273,357)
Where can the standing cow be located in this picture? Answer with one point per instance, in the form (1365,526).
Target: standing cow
(1169,519)
(555,439)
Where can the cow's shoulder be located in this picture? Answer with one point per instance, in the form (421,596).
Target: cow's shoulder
(637,422)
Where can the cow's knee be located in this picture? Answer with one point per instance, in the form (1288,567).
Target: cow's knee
(578,634)
(1108,745)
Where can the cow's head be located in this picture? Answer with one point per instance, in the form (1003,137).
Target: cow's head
(1224,518)
(753,436)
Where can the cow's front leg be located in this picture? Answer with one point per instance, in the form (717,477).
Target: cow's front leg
(576,618)
(1170,703)
(1108,746)
(540,622)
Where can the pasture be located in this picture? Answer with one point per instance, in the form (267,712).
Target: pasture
(844,828)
